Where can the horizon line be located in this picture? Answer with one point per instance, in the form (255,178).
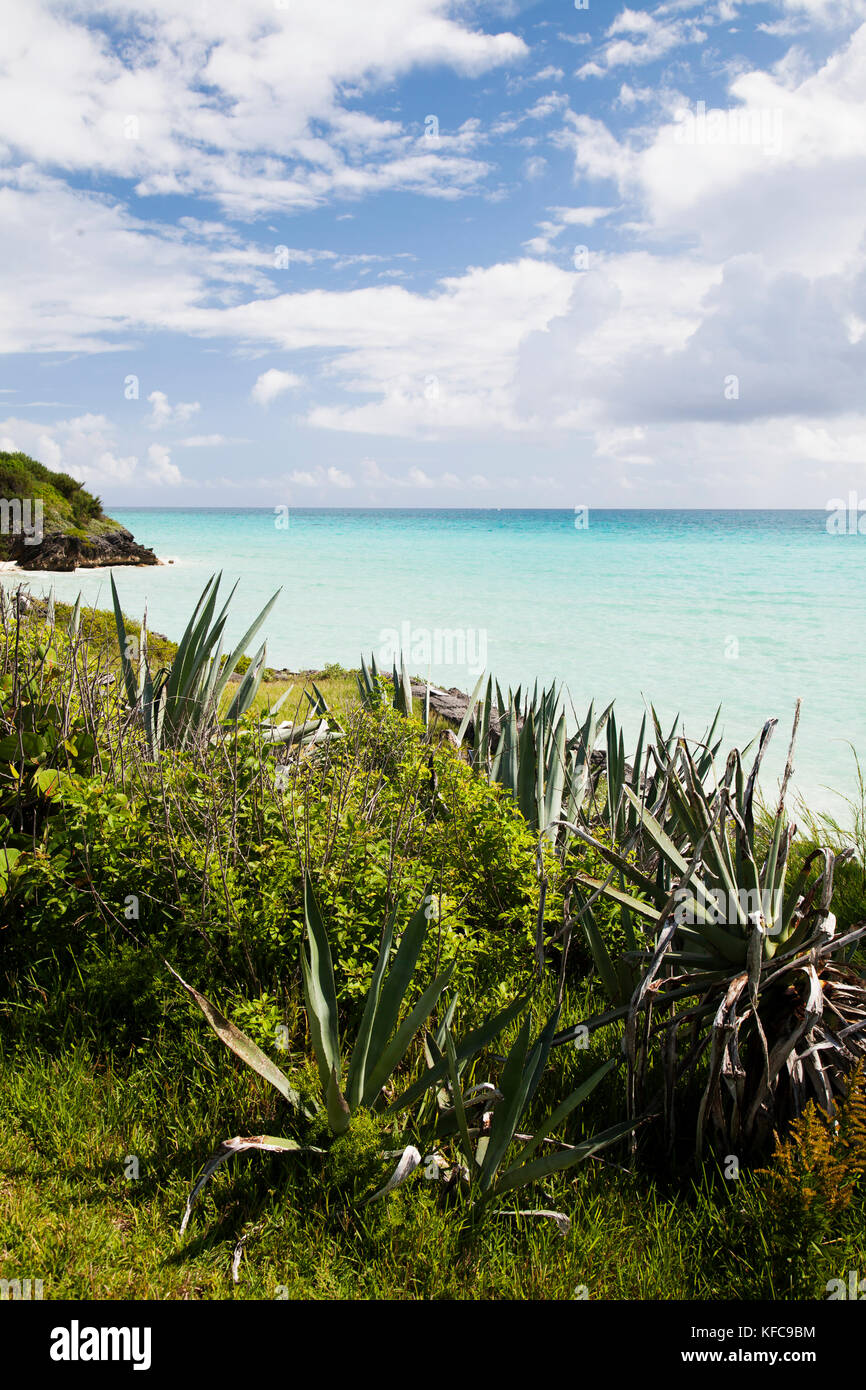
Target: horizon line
(191,507)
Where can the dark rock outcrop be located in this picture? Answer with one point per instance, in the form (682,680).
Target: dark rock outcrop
(61,552)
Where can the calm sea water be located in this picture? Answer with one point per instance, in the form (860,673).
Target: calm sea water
(687,609)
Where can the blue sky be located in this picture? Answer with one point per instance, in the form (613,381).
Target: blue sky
(422,253)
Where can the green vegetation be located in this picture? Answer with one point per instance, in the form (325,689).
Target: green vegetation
(182,701)
(67,506)
(479,975)
(771,999)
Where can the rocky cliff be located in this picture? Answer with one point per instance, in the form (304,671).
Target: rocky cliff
(48,521)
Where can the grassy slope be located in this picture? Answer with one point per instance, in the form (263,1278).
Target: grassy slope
(67,506)
(73,1107)
(338,685)
(72,1218)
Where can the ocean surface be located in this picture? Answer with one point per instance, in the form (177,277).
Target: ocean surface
(684,609)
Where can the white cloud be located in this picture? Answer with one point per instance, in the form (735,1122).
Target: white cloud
(370,470)
(581,216)
(747,259)
(82,274)
(778,173)
(83,446)
(547,106)
(549,230)
(340,479)
(273,383)
(160,469)
(648,39)
(431,363)
(418,478)
(188,100)
(784,28)
(207,441)
(322,477)
(830,13)
(629,96)
(549,74)
(164,413)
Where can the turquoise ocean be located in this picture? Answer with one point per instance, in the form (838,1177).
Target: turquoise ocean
(684,609)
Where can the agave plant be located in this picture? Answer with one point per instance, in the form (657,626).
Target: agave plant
(380,1046)
(180,701)
(776,1017)
(488,1119)
(548,774)
(372,687)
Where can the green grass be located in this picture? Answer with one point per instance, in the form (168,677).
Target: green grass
(71,1217)
(71,1121)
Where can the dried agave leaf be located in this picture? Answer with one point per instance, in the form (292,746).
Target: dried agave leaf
(409,1160)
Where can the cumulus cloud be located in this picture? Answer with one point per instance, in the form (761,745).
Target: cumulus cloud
(83,274)
(722,251)
(207,441)
(160,468)
(777,170)
(420,479)
(646,39)
(552,228)
(338,478)
(84,446)
(273,383)
(830,13)
(163,413)
(320,477)
(190,99)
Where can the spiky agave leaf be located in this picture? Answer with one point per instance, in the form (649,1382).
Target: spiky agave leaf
(182,702)
(242,1046)
(229,1148)
(320,992)
(129,675)
(383,1037)
(519,1081)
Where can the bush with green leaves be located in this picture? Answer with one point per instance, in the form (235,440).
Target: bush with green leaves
(202,857)
(42,733)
